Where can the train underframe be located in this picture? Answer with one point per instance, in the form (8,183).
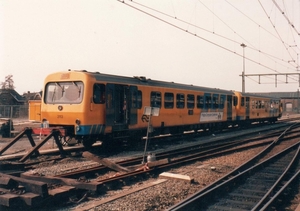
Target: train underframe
(125,136)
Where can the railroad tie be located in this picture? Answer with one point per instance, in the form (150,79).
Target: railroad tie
(104,162)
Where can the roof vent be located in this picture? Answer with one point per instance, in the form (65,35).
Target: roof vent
(80,71)
(141,78)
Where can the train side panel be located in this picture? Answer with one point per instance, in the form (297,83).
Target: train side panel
(192,111)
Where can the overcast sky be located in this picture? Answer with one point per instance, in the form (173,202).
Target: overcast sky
(191,42)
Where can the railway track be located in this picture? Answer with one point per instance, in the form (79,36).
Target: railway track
(257,187)
(153,141)
(193,152)
(118,180)
(12,165)
(64,185)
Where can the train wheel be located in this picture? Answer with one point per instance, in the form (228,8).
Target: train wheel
(110,146)
(68,141)
(88,142)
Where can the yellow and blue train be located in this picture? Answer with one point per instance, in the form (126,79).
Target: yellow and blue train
(93,106)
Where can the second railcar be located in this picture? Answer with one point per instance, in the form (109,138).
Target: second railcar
(256,108)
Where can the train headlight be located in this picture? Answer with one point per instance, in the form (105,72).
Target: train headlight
(77,128)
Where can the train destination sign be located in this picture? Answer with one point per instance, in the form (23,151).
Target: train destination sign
(211,116)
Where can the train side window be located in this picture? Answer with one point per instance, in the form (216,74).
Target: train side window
(180,100)
(235,101)
(139,99)
(99,93)
(155,99)
(222,101)
(207,101)
(190,101)
(242,101)
(169,100)
(136,99)
(215,101)
(259,104)
(262,104)
(200,101)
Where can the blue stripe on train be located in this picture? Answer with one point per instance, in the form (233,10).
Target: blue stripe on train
(91,129)
(240,118)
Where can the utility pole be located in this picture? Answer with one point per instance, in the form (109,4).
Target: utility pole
(243,73)
(298,101)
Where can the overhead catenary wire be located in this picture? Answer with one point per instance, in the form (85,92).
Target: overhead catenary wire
(278,34)
(205,39)
(260,27)
(216,34)
(284,15)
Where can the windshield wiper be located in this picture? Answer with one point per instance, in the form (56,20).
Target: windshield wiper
(54,91)
(78,88)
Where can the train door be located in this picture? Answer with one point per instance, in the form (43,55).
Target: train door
(133,105)
(119,109)
(247,107)
(229,107)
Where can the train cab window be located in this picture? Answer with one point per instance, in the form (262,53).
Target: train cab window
(200,101)
(155,99)
(190,101)
(180,100)
(69,92)
(169,100)
(215,101)
(99,93)
(242,101)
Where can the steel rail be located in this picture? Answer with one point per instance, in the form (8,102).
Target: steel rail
(195,152)
(186,159)
(185,203)
(278,183)
(274,200)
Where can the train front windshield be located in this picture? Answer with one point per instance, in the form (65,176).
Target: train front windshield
(70,92)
